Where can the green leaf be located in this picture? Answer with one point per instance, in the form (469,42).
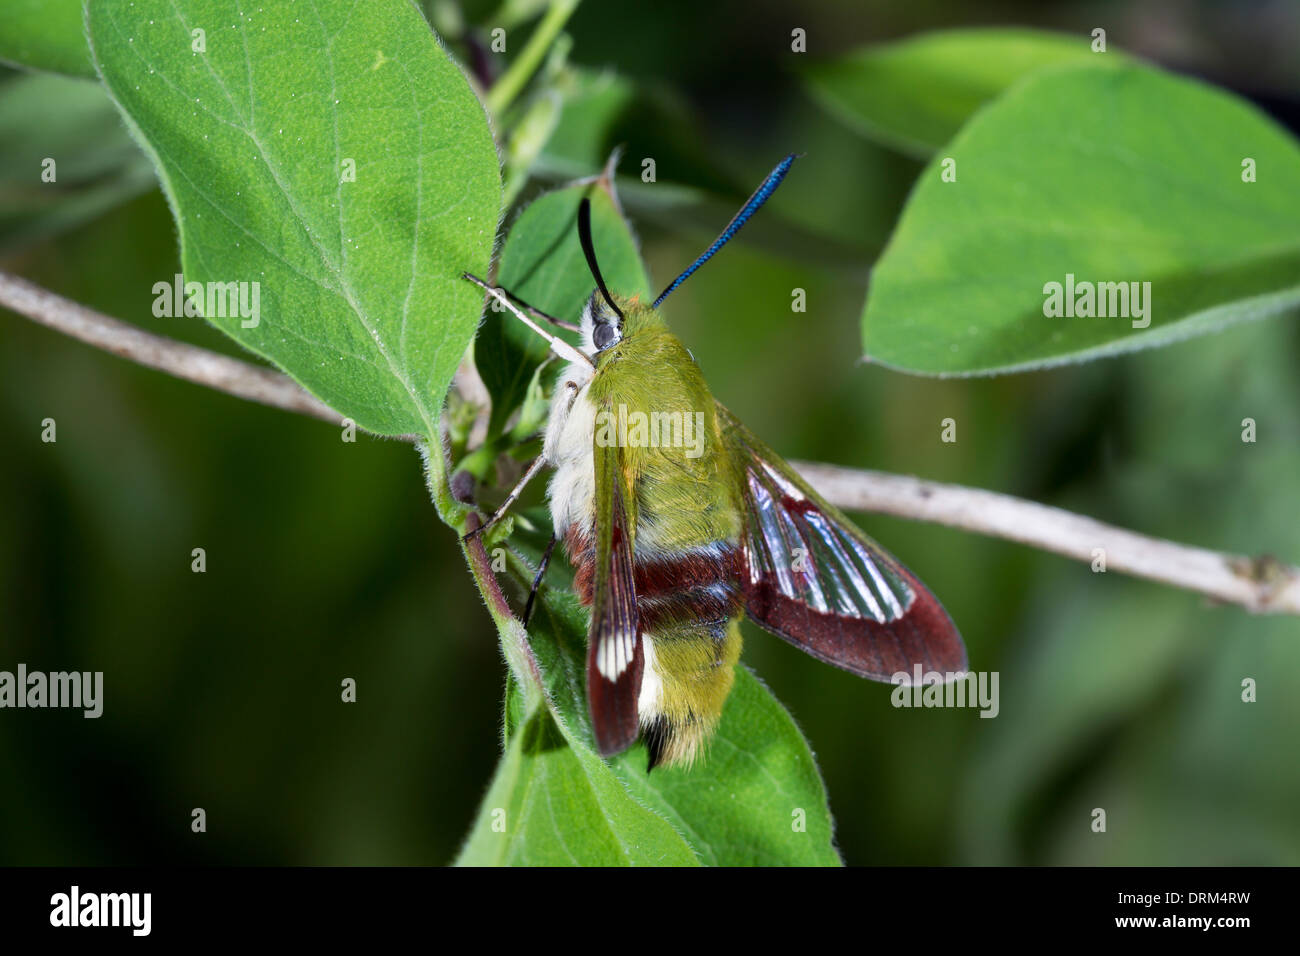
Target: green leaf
(45,35)
(361,296)
(542,263)
(1123,175)
(96,164)
(755,799)
(915,94)
(555,804)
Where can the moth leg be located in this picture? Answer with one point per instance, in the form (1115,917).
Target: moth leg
(558,345)
(539,314)
(537,581)
(538,463)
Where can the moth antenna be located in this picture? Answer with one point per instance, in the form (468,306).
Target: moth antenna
(588,250)
(560,347)
(760,196)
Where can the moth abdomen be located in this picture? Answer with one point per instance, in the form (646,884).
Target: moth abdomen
(688,610)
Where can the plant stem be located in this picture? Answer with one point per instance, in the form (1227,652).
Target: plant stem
(516,77)
(514,638)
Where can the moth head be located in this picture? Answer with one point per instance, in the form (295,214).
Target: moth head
(602,319)
(602,327)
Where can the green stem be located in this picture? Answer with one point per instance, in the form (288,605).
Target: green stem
(520,71)
(451,511)
(514,639)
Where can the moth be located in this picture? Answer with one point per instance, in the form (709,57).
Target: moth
(679,521)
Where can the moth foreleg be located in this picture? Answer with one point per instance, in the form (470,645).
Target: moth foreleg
(537,313)
(537,580)
(558,345)
(538,463)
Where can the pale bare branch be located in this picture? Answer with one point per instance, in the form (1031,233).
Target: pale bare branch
(189,362)
(1261,584)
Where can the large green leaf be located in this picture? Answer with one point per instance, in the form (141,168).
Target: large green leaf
(556,804)
(915,94)
(45,35)
(73,123)
(756,800)
(542,263)
(361,295)
(1123,175)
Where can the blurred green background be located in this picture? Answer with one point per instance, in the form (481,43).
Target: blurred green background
(325,560)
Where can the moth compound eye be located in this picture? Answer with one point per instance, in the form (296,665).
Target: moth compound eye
(604,335)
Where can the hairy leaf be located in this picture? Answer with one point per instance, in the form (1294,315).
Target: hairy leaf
(554,804)
(257,118)
(1080,175)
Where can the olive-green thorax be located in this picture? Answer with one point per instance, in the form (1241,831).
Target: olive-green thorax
(653,391)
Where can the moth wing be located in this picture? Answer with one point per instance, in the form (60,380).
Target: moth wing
(811,577)
(615,660)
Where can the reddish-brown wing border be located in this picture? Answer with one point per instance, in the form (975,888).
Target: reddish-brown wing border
(876,635)
(615,657)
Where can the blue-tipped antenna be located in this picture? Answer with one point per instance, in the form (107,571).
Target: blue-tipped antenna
(760,196)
